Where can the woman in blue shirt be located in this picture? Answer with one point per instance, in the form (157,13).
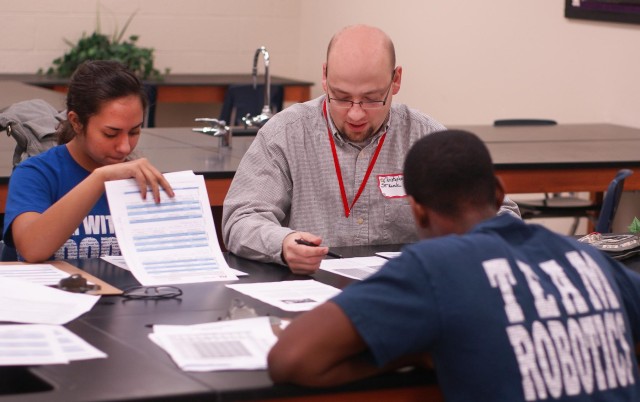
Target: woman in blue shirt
(56,206)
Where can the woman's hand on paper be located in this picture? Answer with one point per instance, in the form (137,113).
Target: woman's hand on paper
(143,172)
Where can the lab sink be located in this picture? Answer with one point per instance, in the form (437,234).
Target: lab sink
(20,380)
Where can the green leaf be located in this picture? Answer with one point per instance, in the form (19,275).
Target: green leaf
(98,46)
(635,225)
(124,28)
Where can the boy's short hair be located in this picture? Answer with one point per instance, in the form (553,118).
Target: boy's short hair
(450,170)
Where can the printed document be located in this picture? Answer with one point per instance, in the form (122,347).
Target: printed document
(42,344)
(44,274)
(119,262)
(171,242)
(222,345)
(355,268)
(289,295)
(74,347)
(25,302)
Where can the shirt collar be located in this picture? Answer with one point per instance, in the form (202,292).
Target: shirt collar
(499,222)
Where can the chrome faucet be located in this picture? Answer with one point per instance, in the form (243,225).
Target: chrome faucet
(217,128)
(265,115)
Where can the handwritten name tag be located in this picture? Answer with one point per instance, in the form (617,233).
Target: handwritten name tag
(392,185)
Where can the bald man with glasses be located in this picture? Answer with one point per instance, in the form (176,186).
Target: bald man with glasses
(328,172)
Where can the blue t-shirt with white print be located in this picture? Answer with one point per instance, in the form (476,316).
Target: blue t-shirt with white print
(40,181)
(509,312)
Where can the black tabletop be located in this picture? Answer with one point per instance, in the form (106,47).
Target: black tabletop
(137,369)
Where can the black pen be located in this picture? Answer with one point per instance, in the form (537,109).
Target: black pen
(307,243)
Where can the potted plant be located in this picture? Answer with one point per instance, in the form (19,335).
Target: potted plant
(98,46)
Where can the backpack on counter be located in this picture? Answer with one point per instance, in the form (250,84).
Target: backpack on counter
(33,125)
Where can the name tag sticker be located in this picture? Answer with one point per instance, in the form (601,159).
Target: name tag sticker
(392,185)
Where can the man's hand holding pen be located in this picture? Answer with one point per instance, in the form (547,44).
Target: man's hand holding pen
(308,243)
(302,252)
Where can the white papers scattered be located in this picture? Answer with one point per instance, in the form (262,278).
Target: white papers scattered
(42,344)
(119,262)
(25,302)
(171,242)
(44,274)
(223,345)
(289,295)
(356,268)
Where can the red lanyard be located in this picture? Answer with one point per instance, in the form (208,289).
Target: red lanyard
(336,163)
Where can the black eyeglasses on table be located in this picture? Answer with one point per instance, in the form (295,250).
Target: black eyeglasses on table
(151,292)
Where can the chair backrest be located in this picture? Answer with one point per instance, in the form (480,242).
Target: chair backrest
(242,99)
(524,122)
(611,201)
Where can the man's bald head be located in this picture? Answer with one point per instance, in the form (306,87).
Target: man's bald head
(362,42)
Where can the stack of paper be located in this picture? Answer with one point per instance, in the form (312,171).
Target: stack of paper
(223,345)
(25,302)
(42,344)
(171,242)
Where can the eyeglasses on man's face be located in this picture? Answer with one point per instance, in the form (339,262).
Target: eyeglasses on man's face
(364,104)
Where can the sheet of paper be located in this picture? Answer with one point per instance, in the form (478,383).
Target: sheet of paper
(74,347)
(222,345)
(119,262)
(288,295)
(171,242)
(44,274)
(389,254)
(33,344)
(116,260)
(356,267)
(29,345)
(25,302)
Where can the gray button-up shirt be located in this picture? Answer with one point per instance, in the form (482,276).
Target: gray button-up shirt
(287,182)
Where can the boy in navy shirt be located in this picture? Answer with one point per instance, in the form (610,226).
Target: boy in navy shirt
(508,311)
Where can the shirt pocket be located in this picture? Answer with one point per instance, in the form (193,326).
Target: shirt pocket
(399,225)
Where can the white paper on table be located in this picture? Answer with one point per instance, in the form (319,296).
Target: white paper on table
(119,262)
(25,302)
(44,274)
(288,295)
(356,267)
(222,345)
(389,254)
(74,347)
(171,242)
(29,345)
(116,260)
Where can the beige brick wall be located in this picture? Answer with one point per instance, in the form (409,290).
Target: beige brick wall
(189,36)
